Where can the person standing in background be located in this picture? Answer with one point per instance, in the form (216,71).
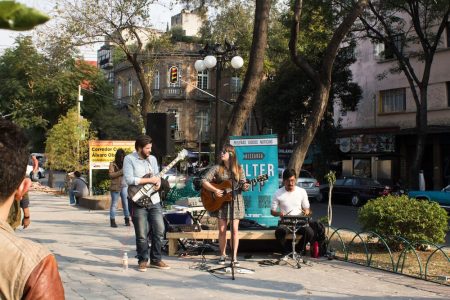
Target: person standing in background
(118,187)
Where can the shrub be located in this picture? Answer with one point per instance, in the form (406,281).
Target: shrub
(412,219)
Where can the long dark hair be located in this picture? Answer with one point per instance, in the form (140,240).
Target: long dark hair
(234,166)
(118,159)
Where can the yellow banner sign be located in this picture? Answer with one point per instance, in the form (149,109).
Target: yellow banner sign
(101,153)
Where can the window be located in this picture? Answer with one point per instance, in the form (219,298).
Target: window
(235,84)
(398,41)
(119,89)
(156,81)
(362,167)
(130,87)
(448,93)
(202,120)
(177,118)
(202,80)
(393,100)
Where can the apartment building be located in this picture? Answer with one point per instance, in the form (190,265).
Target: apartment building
(378,139)
(191,98)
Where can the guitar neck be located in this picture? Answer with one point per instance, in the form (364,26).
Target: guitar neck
(167,168)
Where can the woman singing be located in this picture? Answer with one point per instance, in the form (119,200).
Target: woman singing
(228,169)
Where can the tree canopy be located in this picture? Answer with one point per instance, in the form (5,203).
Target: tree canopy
(68,143)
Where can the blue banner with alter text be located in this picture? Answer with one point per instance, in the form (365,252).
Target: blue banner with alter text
(258,155)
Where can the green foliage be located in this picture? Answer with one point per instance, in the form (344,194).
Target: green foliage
(38,87)
(178,35)
(331,177)
(16,16)
(100,182)
(68,143)
(412,219)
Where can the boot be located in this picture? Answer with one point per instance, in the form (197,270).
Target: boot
(113,223)
(127,221)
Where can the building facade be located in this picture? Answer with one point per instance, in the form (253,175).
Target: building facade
(191,98)
(378,140)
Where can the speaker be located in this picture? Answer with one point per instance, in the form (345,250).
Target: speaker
(159,128)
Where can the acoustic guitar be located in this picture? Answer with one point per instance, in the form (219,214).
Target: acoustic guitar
(212,203)
(142,194)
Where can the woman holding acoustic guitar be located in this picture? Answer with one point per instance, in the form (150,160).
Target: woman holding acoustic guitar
(214,180)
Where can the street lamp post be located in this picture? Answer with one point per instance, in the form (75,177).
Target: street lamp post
(218,55)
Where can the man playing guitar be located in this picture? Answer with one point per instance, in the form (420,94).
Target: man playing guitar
(291,200)
(135,166)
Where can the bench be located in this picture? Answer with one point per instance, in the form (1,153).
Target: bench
(173,237)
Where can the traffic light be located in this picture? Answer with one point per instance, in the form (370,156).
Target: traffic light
(173,73)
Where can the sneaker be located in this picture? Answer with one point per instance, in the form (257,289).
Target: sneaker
(222,260)
(142,266)
(236,263)
(159,265)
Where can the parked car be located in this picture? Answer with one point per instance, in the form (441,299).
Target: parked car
(175,178)
(306,181)
(355,190)
(41,171)
(442,197)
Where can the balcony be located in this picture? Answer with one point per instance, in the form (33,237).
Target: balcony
(169,93)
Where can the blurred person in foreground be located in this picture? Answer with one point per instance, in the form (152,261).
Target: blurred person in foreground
(29,270)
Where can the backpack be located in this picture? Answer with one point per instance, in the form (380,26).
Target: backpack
(319,236)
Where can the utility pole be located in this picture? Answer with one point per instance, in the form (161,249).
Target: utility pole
(79,99)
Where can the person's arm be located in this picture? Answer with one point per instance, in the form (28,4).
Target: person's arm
(44,281)
(112,173)
(275,205)
(208,178)
(305,203)
(242,179)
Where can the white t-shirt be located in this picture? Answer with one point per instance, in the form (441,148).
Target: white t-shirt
(290,203)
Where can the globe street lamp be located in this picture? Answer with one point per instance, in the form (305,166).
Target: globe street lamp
(218,55)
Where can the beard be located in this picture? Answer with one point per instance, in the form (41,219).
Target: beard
(143,154)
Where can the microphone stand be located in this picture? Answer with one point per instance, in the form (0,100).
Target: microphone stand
(232,245)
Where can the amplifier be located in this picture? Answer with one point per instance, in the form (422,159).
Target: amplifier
(189,201)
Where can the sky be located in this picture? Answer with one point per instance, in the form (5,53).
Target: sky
(160,16)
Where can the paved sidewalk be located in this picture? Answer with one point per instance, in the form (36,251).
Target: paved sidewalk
(89,256)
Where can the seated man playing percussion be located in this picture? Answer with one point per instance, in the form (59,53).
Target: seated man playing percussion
(291,200)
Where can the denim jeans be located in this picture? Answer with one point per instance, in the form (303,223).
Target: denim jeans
(145,219)
(115,198)
(72,199)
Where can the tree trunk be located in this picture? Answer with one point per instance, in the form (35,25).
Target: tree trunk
(321,78)
(422,130)
(254,75)
(309,131)
(146,101)
(50,178)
